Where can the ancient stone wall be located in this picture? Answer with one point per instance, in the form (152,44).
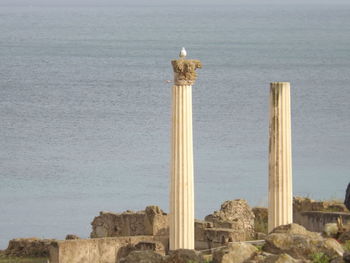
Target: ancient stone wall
(233,222)
(302,204)
(316,221)
(311,214)
(28,247)
(107,250)
(314,215)
(151,221)
(234,215)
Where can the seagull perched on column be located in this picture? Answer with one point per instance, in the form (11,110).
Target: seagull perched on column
(183,53)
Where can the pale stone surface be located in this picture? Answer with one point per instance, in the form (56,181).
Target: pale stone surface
(280,156)
(181,227)
(151,221)
(234,253)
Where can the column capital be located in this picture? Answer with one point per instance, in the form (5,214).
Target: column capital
(185,71)
(280,84)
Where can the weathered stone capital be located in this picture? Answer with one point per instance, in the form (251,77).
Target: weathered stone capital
(185,71)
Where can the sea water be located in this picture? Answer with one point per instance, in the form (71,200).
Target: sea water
(85,107)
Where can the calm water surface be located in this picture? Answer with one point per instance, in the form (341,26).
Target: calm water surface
(85,109)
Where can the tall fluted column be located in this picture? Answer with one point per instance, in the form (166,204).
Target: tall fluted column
(280,210)
(181,186)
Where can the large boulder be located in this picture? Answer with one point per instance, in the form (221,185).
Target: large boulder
(146,256)
(184,256)
(234,253)
(236,215)
(299,243)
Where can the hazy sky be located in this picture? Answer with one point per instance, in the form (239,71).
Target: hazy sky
(164,2)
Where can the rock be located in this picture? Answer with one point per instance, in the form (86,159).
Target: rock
(71,237)
(28,247)
(299,243)
(184,256)
(236,215)
(234,253)
(346,257)
(146,256)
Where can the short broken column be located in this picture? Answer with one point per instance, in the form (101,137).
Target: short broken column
(181,232)
(280,207)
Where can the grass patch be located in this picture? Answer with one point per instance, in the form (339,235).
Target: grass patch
(319,258)
(5,259)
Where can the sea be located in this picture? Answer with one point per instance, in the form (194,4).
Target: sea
(85,105)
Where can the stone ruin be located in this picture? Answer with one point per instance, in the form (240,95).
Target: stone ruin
(151,221)
(32,247)
(116,235)
(233,222)
(316,215)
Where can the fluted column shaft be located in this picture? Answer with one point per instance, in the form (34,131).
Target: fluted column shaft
(182,190)
(181,217)
(280,207)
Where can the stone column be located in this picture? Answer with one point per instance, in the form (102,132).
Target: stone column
(280,210)
(181,232)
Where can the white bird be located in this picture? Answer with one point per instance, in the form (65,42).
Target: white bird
(183,53)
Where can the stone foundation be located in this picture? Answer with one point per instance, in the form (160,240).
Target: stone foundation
(106,250)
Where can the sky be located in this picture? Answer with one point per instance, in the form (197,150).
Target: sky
(164,2)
